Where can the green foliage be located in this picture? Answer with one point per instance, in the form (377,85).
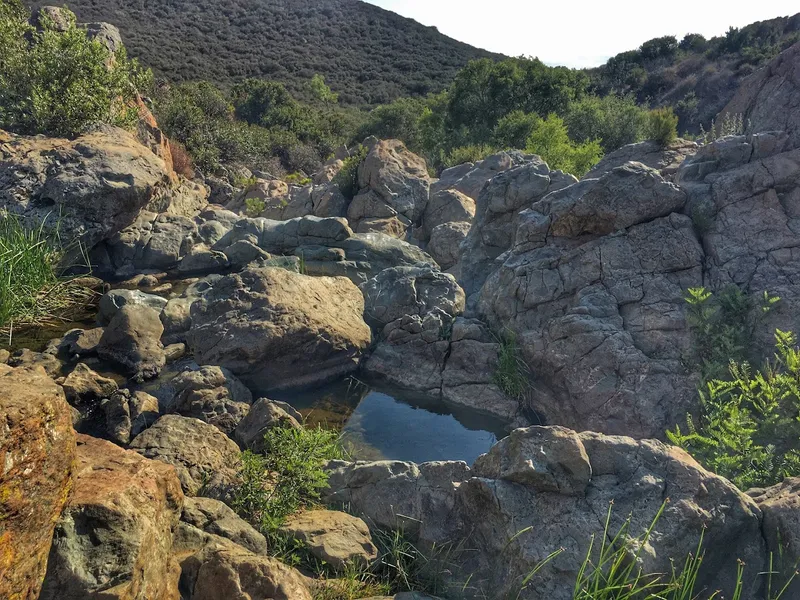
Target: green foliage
(749,426)
(466,154)
(321,92)
(288,476)
(297,179)
(58,83)
(347,177)
(402,120)
(514,129)
(511,374)
(731,124)
(551,141)
(31,290)
(663,126)
(614,120)
(254,207)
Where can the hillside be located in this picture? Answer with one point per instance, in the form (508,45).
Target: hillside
(697,76)
(367,54)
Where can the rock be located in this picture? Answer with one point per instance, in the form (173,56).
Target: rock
(114,538)
(212,516)
(376,252)
(594,292)
(394,183)
(780,505)
(128,414)
(445,243)
(470,178)
(4,356)
(278,330)
(114,300)
(84,387)
(242,253)
(329,201)
(548,488)
(176,317)
(497,216)
(445,206)
(174,352)
(106,34)
(263,416)
(93,186)
(213,395)
(334,537)
(133,341)
(28,358)
(37,451)
(651,154)
(205,459)
(237,573)
(402,291)
(767,99)
(80,342)
(203,260)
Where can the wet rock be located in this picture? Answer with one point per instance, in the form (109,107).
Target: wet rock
(263,416)
(212,516)
(205,459)
(80,342)
(335,537)
(277,330)
(29,358)
(84,387)
(114,300)
(133,341)
(37,451)
(114,537)
(93,186)
(213,395)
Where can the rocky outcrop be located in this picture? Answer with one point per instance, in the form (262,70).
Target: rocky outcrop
(497,216)
(91,187)
(445,206)
(339,539)
(665,160)
(114,538)
(545,488)
(769,99)
(593,289)
(445,243)
(37,451)
(205,459)
(278,330)
(469,178)
(394,185)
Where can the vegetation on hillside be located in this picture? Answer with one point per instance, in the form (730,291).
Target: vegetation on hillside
(58,82)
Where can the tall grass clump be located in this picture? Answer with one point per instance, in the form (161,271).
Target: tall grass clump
(347,177)
(511,374)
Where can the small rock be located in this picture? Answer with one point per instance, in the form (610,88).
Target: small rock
(114,300)
(213,516)
(263,416)
(133,340)
(335,537)
(84,387)
(29,358)
(175,352)
(4,356)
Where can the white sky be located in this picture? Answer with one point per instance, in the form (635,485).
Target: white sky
(581,33)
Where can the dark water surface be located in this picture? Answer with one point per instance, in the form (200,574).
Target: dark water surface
(379,423)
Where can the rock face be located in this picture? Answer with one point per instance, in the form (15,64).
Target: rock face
(497,215)
(559,484)
(37,451)
(277,329)
(133,341)
(335,537)
(93,186)
(445,206)
(738,186)
(114,538)
(593,289)
(651,154)
(768,99)
(469,178)
(445,243)
(780,505)
(212,516)
(205,459)
(394,184)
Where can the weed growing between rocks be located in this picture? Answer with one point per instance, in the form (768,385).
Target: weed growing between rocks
(347,177)
(511,375)
(31,290)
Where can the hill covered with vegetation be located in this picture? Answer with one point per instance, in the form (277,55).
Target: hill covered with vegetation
(368,55)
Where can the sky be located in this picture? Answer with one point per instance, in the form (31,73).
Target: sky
(581,33)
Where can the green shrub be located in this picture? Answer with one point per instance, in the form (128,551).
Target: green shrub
(467,154)
(288,476)
(297,179)
(254,207)
(514,129)
(551,141)
(613,120)
(511,374)
(347,177)
(663,126)
(58,83)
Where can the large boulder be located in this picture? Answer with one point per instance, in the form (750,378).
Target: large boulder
(445,206)
(114,538)
(664,159)
(37,451)
(91,187)
(205,459)
(593,290)
(469,178)
(445,243)
(277,329)
(768,99)
(548,488)
(394,184)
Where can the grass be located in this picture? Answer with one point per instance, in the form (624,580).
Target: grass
(512,374)
(32,292)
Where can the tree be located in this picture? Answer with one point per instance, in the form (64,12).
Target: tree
(550,140)
(661,47)
(513,130)
(321,92)
(614,120)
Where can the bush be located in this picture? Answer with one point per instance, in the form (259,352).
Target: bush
(613,120)
(347,177)
(254,207)
(513,130)
(663,126)
(550,140)
(467,154)
(288,476)
(511,374)
(181,161)
(58,83)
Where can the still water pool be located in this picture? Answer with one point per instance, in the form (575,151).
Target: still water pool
(380,423)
